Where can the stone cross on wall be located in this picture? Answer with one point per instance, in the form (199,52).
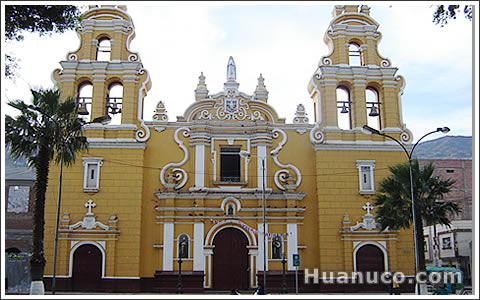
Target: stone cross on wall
(368,207)
(90,205)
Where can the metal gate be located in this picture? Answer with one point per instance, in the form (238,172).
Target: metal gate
(17,272)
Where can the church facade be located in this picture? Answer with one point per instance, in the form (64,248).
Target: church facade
(230,191)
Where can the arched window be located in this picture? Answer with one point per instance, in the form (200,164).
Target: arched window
(114,102)
(104,49)
(344,108)
(373,108)
(183,246)
(85,93)
(277,247)
(354,55)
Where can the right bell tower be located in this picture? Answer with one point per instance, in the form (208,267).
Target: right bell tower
(354,85)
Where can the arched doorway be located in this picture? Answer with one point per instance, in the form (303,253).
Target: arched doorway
(230,260)
(87,269)
(370,259)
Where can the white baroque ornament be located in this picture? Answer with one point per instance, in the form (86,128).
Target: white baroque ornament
(177,175)
(316,135)
(284,179)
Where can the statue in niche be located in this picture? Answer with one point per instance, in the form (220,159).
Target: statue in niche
(276,247)
(183,246)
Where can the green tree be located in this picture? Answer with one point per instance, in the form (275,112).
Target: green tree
(43,19)
(46,130)
(394,201)
(444,13)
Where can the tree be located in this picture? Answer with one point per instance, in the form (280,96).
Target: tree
(36,18)
(44,128)
(394,202)
(442,14)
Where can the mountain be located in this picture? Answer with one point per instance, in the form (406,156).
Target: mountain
(445,147)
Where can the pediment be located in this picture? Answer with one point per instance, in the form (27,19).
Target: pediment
(231,106)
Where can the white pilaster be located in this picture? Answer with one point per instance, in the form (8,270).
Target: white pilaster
(261,154)
(198,255)
(260,247)
(292,244)
(168,247)
(199,166)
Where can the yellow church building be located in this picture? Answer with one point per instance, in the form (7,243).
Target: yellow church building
(230,191)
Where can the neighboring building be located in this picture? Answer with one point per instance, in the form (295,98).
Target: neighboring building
(151,194)
(454,242)
(19,195)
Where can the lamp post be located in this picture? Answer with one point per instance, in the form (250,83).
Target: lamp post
(103,120)
(246,154)
(284,278)
(409,155)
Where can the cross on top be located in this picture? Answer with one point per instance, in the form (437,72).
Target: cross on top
(368,207)
(90,205)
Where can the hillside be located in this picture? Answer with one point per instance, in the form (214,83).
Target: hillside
(445,147)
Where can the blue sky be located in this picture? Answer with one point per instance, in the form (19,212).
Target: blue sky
(283,41)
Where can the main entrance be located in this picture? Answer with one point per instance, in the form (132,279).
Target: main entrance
(87,269)
(230,260)
(370,259)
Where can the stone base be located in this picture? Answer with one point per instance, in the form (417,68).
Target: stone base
(37,288)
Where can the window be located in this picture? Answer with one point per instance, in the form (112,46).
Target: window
(18,197)
(343,108)
(91,177)
(354,58)
(366,178)
(104,49)
(85,93)
(230,164)
(183,245)
(114,102)
(446,243)
(373,108)
(277,247)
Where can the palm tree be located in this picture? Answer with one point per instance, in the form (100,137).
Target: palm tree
(44,128)
(394,204)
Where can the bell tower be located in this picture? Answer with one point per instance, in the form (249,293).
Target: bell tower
(103,73)
(354,85)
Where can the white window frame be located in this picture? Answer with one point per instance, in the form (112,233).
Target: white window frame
(97,163)
(371,165)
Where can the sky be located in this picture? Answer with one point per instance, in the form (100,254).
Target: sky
(283,41)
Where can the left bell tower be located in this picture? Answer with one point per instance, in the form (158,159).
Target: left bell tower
(107,78)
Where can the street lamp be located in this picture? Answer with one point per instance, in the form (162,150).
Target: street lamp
(102,120)
(246,154)
(409,155)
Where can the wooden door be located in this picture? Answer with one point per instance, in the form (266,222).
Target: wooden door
(87,269)
(370,259)
(230,260)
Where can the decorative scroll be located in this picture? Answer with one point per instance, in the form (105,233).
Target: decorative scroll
(316,135)
(143,134)
(283,178)
(176,175)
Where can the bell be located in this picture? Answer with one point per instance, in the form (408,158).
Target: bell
(344,109)
(373,111)
(114,108)
(82,109)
